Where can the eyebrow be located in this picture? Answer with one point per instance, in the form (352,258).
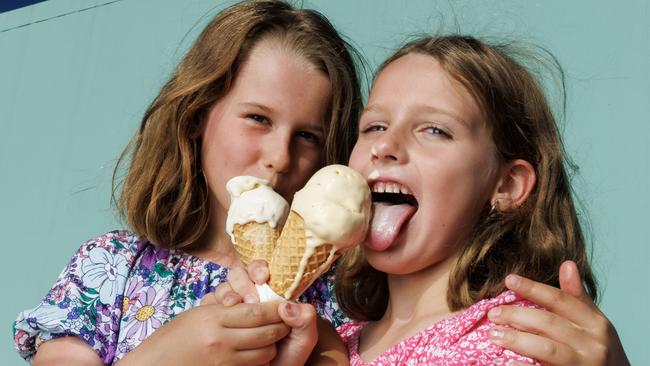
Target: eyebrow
(372,108)
(257,105)
(434,110)
(310,125)
(421,108)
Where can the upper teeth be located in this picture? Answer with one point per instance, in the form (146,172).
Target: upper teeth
(389,187)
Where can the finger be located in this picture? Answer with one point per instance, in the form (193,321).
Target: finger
(553,299)
(242,284)
(298,316)
(258,270)
(258,356)
(225,295)
(250,315)
(571,283)
(518,363)
(208,299)
(533,346)
(539,322)
(256,337)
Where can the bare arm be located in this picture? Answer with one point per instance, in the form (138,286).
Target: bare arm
(243,334)
(572,332)
(66,351)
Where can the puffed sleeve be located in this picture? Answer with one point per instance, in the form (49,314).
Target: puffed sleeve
(321,295)
(86,299)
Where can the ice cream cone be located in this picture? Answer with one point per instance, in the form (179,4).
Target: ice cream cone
(254,240)
(293,266)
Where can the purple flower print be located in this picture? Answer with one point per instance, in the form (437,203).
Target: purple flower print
(147,314)
(104,271)
(87,335)
(131,295)
(152,255)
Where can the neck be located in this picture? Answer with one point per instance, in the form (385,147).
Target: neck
(416,301)
(419,297)
(214,244)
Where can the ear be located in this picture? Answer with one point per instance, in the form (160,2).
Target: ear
(513,188)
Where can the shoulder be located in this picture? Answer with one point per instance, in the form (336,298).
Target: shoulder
(350,333)
(85,300)
(474,343)
(114,243)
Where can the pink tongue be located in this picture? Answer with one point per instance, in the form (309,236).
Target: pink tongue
(386,223)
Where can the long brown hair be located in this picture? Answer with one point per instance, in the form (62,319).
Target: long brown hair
(163,196)
(532,240)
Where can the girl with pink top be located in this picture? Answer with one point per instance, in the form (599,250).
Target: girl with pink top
(465,162)
(472,206)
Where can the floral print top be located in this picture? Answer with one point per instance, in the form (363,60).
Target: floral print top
(118,289)
(459,340)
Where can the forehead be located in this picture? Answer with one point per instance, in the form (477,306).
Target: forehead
(418,82)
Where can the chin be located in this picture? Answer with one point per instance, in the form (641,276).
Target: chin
(392,262)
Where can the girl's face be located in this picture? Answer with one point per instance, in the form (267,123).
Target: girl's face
(424,144)
(269,125)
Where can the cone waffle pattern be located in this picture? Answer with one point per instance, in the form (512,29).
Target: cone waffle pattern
(254,240)
(289,252)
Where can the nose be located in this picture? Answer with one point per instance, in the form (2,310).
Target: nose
(387,149)
(276,157)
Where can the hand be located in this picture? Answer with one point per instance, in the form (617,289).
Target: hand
(301,318)
(214,334)
(241,285)
(572,332)
(297,346)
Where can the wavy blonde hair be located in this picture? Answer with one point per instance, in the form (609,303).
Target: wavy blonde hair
(532,240)
(163,194)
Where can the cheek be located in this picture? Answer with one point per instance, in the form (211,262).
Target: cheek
(360,157)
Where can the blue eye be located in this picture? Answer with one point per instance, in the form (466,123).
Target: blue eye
(437,131)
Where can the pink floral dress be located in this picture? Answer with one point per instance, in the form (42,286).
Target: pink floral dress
(117,290)
(459,340)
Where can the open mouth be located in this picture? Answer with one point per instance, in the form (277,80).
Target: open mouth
(394,205)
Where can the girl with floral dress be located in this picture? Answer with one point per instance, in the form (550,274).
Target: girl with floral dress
(266,90)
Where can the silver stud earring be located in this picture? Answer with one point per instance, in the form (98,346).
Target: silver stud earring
(494,206)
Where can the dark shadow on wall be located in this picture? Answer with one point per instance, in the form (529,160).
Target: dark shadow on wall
(8,5)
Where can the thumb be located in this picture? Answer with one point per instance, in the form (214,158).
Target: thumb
(570,281)
(298,345)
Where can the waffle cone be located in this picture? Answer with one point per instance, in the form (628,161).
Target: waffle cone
(288,278)
(254,240)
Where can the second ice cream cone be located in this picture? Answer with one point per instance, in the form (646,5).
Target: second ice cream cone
(293,266)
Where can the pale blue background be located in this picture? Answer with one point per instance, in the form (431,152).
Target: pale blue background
(72,90)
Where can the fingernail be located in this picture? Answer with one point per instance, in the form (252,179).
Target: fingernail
(259,274)
(289,309)
(230,300)
(250,299)
(513,281)
(494,313)
(496,335)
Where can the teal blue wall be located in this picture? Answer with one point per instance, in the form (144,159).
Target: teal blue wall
(72,90)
